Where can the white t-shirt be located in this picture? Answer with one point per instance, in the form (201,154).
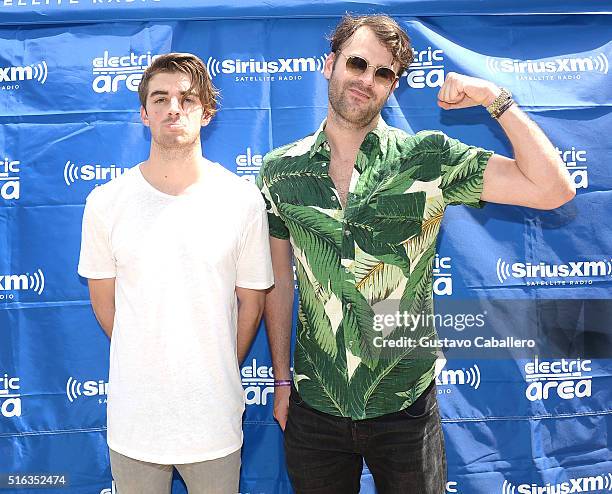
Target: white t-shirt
(175,394)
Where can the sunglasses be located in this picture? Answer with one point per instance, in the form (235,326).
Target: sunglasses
(356,65)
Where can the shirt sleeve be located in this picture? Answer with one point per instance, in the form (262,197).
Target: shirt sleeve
(254,266)
(462,168)
(278,228)
(96,260)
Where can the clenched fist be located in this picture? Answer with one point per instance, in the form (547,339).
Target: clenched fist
(462,91)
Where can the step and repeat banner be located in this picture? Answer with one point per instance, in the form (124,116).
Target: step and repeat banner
(516,422)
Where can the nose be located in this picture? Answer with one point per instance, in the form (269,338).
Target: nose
(367,77)
(175,106)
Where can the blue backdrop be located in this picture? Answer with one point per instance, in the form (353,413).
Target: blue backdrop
(69,122)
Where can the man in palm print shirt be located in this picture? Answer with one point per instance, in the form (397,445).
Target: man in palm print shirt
(359,204)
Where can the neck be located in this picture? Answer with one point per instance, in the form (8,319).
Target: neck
(172,170)
(344,137)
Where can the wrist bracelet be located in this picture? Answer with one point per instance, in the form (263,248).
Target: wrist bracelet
(282,382)
(499,104)
(505,106)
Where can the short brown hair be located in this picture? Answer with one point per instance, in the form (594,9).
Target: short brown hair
(187,64)
(387,30)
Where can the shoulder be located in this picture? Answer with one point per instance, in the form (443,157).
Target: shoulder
(287,153)
(105,195)
(235,187)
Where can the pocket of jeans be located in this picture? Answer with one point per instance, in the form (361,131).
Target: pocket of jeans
(424,406)
(295,398)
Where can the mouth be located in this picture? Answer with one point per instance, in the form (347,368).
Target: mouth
(359,94)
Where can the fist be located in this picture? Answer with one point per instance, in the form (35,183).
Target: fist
(462,91)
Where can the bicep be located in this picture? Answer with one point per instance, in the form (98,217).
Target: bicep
(280,250)
(505,183)
(102,293)
(249,296)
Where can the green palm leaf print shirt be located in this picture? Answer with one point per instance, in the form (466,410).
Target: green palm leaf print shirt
(370,259)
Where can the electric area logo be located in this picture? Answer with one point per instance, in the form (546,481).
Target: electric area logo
(545,274)
(34,282)
(596,484)
(426,69)
(456,377)
(550,69)
(76,389)
(111,490)
(10,397)
(10,187)
(248,165)
(566,378)
(112,73)
(251,70)
(91,172)
(576,163)
(443,278)
(258,383)
(10,77)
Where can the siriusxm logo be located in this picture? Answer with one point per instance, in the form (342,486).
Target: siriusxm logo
(113,72)
(251,70)
(248,164)
(90,171)
(596,484)
(427,69)
(576,163)
(258,383)
(10,398)
(573,269)
(10,76)
(9,179)
(25,282)
(443,281)
(558,68)
(458,377)
(76,389)
(567,378)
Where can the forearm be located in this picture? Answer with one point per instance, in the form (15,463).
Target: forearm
(278,314)
(534,154)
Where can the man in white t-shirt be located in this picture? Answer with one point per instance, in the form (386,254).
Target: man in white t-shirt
(177,257)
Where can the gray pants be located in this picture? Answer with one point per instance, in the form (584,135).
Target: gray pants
(219,476)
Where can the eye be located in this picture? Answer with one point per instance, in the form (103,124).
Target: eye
(159,100)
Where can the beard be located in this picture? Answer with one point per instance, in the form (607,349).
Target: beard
(356,114)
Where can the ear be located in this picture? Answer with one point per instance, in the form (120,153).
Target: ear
(329,65)
(206,118)
(143,116)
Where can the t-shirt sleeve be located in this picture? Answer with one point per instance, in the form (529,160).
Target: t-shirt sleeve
(254,267)
(96,260)
(278,228)
(462,168)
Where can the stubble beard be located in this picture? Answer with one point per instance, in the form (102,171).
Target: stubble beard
(352,116)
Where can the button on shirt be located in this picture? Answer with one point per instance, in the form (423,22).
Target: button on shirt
(360,268)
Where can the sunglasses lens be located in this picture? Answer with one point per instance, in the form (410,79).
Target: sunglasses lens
(356,65)
(385,76)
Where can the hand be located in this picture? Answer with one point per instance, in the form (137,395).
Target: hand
(462,91)
(281,404)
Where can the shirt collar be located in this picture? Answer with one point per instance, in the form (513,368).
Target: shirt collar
(379,133)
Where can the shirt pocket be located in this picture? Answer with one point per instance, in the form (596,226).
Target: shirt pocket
(398,217)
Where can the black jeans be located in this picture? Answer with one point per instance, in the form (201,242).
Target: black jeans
(403,450)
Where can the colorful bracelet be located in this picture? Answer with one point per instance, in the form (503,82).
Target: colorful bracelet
(282,382)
